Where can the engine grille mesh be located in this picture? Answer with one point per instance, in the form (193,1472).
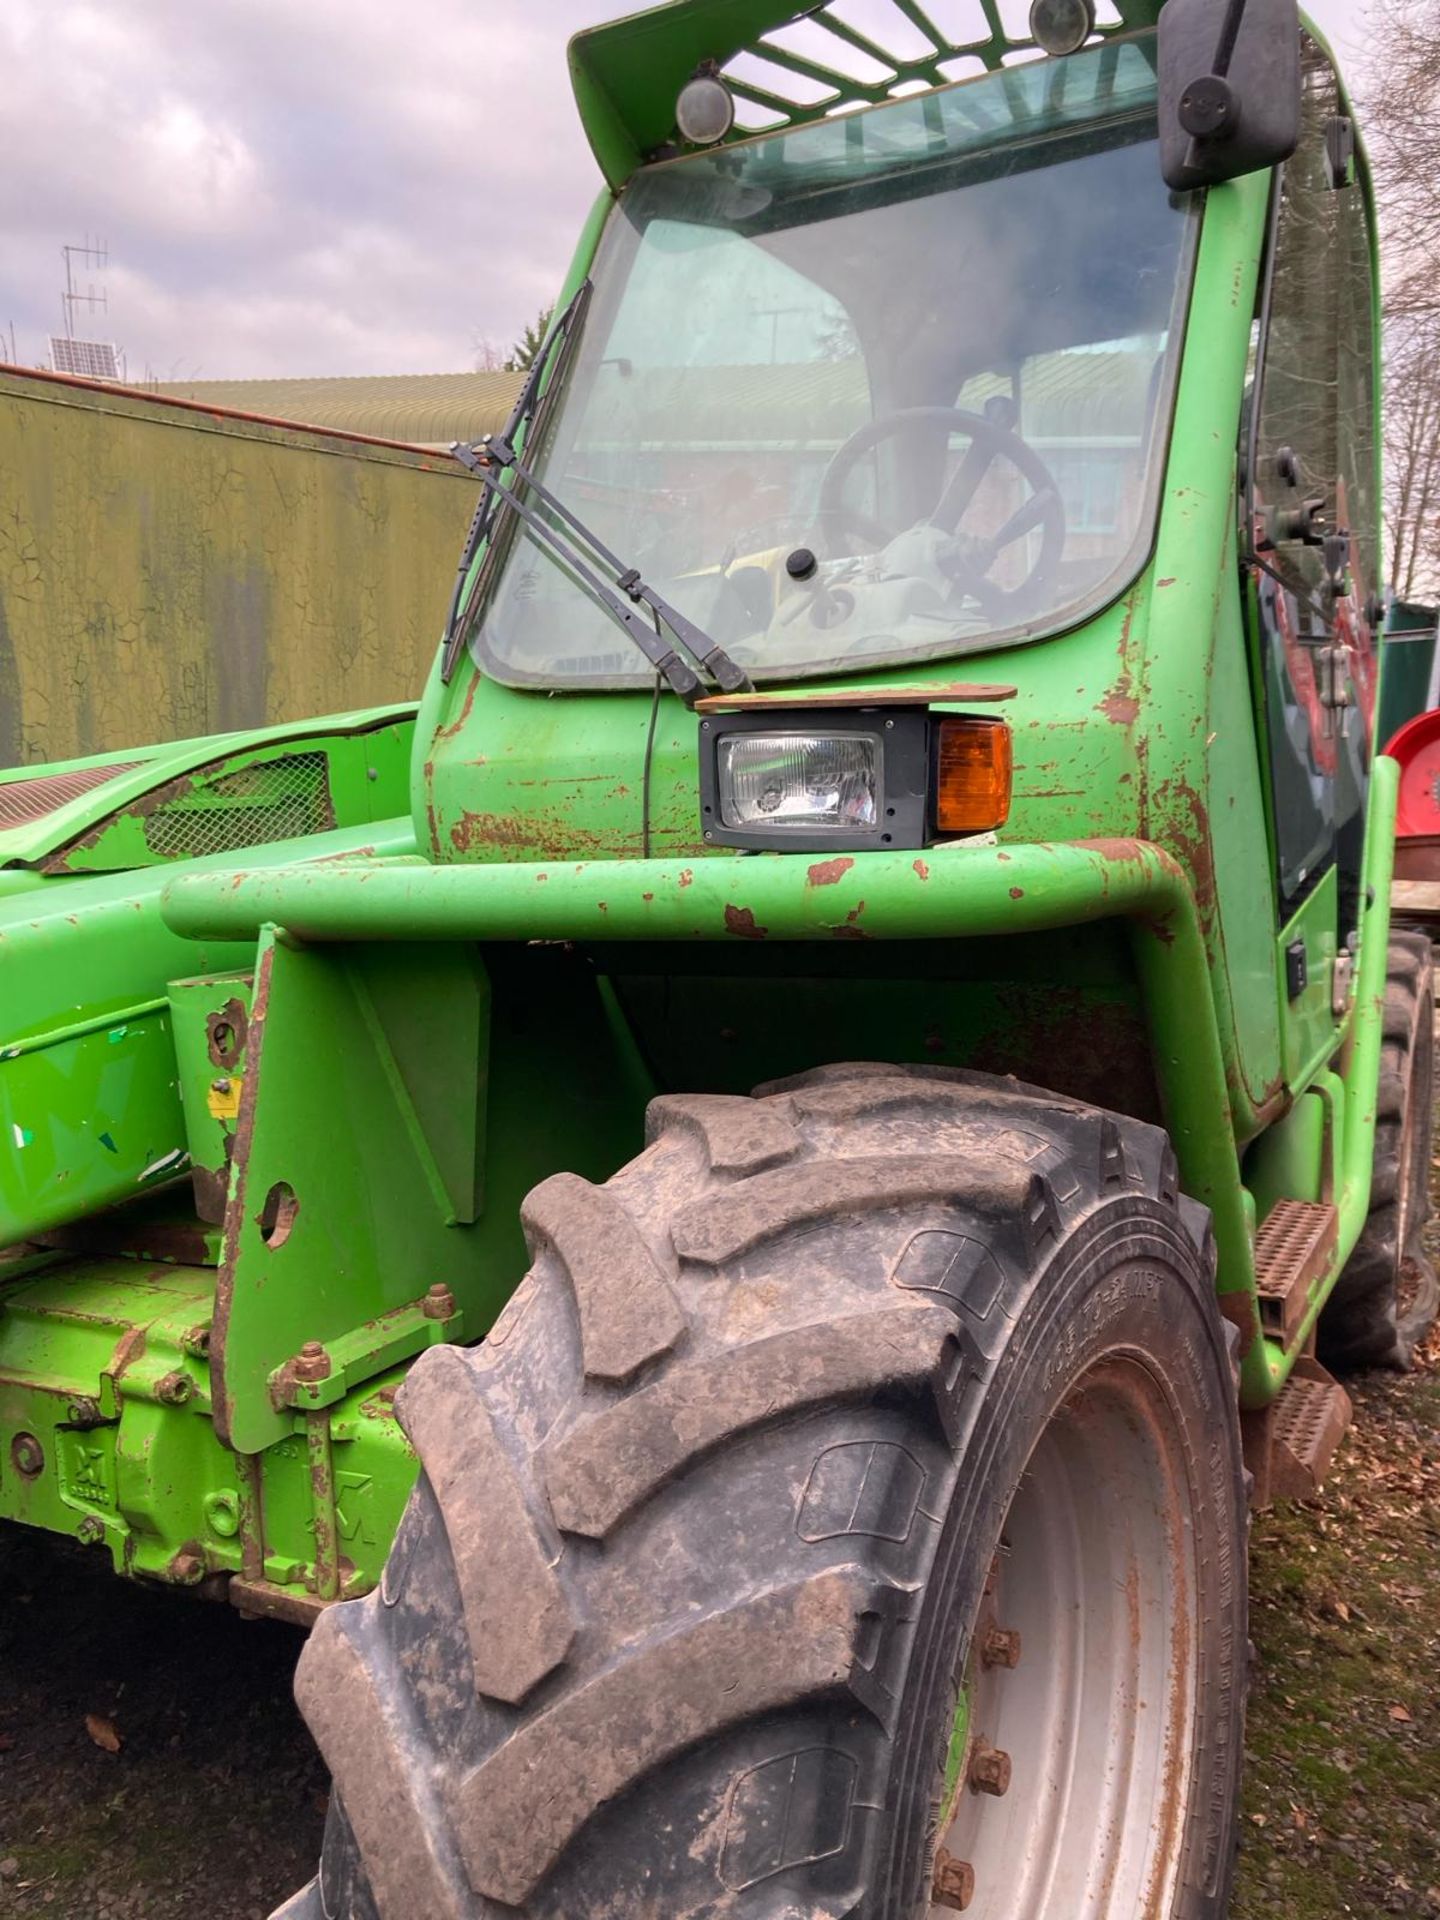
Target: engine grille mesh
(249,807)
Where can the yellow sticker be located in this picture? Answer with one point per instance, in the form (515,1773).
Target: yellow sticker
(223,1097)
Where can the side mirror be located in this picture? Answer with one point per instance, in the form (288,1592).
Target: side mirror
(1229,73)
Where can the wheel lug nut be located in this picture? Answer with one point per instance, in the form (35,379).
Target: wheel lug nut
(1001,1648)
(989,1770)
(954,1882)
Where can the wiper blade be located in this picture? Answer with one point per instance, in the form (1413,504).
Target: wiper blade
(553,355)
(678,675)
(729,677)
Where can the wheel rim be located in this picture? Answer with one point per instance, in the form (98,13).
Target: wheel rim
(1095,1575)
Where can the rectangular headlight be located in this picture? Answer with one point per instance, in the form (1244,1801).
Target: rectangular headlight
(786,781)
(815,780)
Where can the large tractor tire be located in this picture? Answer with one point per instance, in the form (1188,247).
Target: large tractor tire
(844,1518)
(1386,1298)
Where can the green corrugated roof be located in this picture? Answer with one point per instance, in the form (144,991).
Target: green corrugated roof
(734,406)
(426,409)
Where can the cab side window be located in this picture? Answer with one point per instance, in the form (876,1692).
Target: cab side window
(1313,498)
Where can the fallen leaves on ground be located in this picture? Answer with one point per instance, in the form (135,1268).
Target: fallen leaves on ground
(103,1732)
(1342,1787)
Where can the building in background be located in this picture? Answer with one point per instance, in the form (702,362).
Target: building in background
(171,569)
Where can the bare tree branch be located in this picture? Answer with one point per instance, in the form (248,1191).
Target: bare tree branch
(1402,127)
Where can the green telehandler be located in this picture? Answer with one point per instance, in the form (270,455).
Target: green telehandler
(759,1217)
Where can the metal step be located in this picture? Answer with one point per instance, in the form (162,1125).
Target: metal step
(1311,1418)
(1293,1249)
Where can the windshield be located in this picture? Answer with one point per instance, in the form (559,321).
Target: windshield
(889,386)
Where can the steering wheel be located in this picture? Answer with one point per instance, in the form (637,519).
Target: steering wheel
(991,438)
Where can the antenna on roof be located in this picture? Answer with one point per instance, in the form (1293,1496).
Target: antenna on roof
(92,359)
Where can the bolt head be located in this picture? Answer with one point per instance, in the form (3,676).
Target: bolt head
(222,1085)
(312,1362)
(90,1530)
(439,1302)
(174,1389)
(954,1882)
(27,1454)
(989,1770)
(1001,1648)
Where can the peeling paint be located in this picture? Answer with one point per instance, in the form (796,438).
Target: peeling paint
(741,922)
(825,873)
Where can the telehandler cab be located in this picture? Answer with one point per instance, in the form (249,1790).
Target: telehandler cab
(892,929)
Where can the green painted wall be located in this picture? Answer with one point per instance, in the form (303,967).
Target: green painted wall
(167,571)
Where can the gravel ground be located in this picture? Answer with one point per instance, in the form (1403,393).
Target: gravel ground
(215,1799)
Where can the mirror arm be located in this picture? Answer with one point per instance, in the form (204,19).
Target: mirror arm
(1208,107)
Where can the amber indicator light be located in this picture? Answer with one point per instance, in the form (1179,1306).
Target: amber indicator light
(972,775)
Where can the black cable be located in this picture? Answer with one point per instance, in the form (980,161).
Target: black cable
(645,775)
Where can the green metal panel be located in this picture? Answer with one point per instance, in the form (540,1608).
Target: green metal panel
(1288,1161)
(368,1169)
(168,571)
(353,1183)
(1309,1022)
(210,1026)
(90,1111)
(105,1409)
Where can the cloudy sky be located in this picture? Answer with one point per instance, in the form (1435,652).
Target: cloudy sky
(300,186)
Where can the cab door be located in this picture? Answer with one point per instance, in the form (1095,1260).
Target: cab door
(1313,516)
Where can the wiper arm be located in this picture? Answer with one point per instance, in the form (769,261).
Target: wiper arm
(678,675)
(491,453)
(555,352)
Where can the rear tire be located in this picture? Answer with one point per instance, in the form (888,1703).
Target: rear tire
(1385,1300)
(694,1594)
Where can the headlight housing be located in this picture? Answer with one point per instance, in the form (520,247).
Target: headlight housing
(809,779)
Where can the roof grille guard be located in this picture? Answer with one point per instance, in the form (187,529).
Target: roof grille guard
(787,65)
(857,53)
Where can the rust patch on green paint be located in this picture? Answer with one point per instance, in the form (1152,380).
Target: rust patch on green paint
(741,922)
(540,836)
(1179,821)
(825,873)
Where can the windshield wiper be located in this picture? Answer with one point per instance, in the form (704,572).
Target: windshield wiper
(555,353)
(629,591)
(496,454)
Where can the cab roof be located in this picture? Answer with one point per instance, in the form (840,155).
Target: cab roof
(786,65)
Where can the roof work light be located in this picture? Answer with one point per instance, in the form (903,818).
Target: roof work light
(1061,26)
